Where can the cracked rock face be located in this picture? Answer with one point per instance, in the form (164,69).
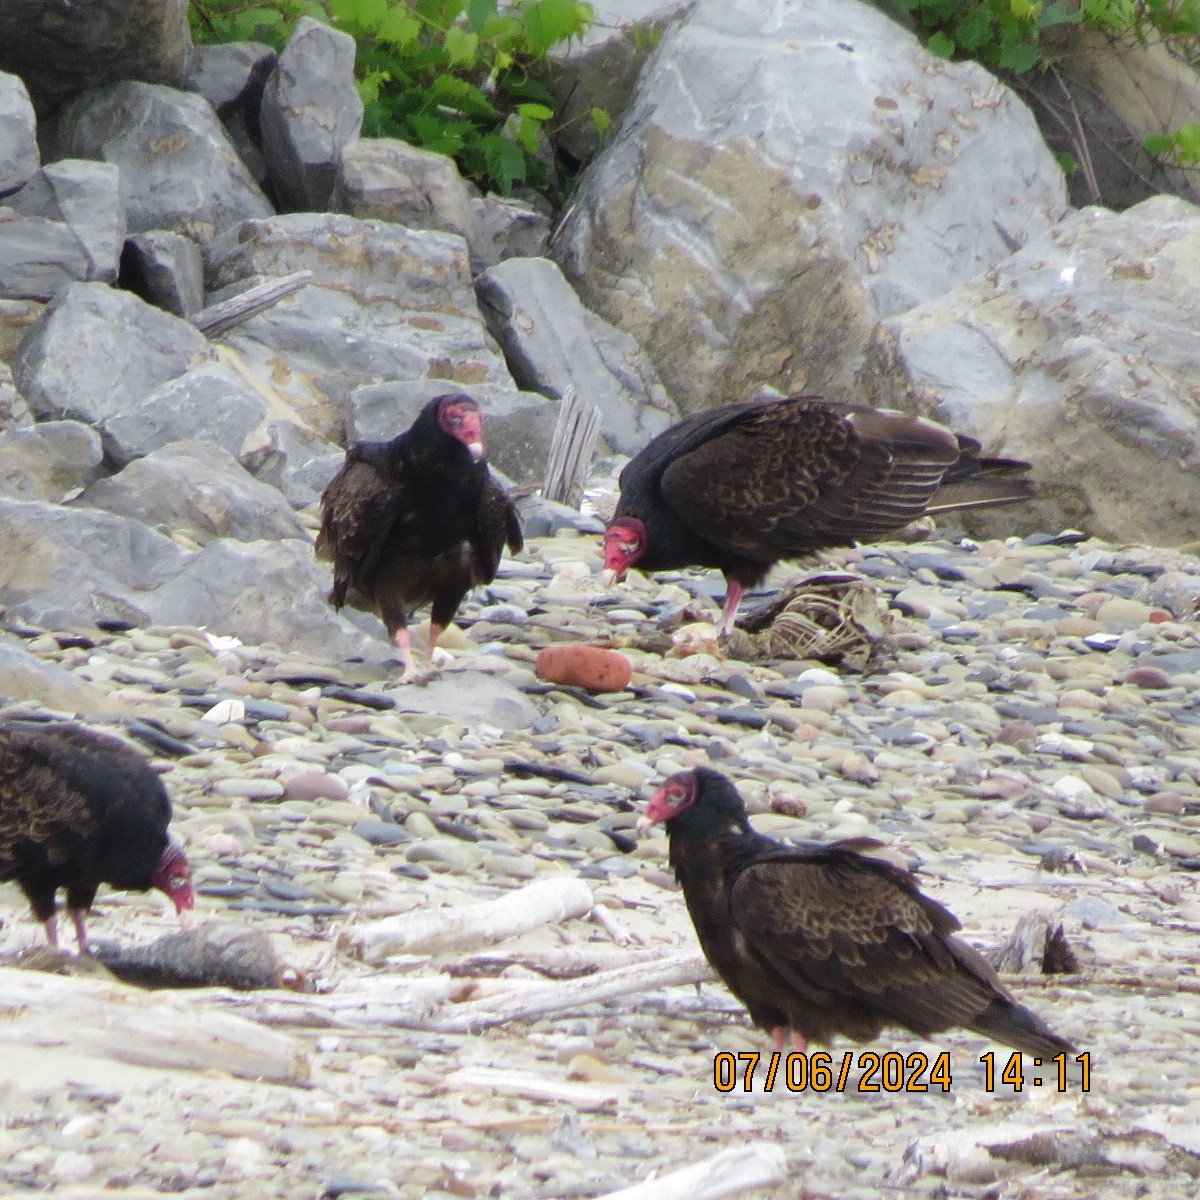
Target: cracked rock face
(785,177)
(1050,357)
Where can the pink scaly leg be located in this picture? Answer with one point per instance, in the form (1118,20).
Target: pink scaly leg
(404,645)
(799,1042)
(77,916)
(778,1037)
(734,592)
(50,925)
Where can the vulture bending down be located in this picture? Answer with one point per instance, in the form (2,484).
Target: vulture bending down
(742,486)
(78,809)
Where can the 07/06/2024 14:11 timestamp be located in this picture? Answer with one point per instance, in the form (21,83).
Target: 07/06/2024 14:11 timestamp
(818,1072)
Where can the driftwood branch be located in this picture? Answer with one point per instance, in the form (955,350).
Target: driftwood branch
(582,1096)
(399,1001)
(427,931)
(98,1018)
(571,450)
(219,319)
(531,1002)
(733,1172)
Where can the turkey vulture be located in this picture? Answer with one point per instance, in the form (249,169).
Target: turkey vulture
(821,939)
(78,809)
(742,486)
(416,520)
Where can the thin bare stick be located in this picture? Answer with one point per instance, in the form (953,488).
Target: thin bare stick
(571,450)
(219,319)
(559,997)
(733,1172)
(1190,987)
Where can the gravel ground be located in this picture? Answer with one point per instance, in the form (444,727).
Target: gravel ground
(1027,743)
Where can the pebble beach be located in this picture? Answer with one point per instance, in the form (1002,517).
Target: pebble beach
(1026,741)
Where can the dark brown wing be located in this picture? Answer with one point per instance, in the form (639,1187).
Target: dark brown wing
(794,476)
(843,928)
(499,526)
(41,803)
(359,509)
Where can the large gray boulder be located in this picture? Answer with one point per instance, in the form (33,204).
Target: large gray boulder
(786,176)
(1078,354)
(518,427)
(311,111)
(17,318)
(66,224)
(66,567)
(386,303)
(179,170)
(601,69)
(18,135)
(553,343)
(231,77)
(94,352)
(49,461)
(285,453)
(386,179)
(195,488)
(263,592)
(61,48)
(166,269)
(213,402)
(14,412)
(507,228)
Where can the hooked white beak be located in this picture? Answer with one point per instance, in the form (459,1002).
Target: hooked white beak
(644,824)
(476,449)
(608,576)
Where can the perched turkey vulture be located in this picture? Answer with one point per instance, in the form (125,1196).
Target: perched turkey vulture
(78,809)
(742,486)
(821,940)
(417,520)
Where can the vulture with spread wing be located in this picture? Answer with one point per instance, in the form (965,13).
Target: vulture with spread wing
(742,486)
(824,940)
(78,809)
(417,520)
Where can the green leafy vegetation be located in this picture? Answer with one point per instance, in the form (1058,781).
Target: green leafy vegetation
(453,76)
(1179,148)
(1009,35)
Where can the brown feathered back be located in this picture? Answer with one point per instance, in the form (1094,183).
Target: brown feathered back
(825,940)
(750,483)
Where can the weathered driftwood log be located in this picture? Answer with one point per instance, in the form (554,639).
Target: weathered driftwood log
(560,962)
(733,1172)
(111,1020)
(400,1001)
(428,931)
(571,450)
(221,318)
(537,1001)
